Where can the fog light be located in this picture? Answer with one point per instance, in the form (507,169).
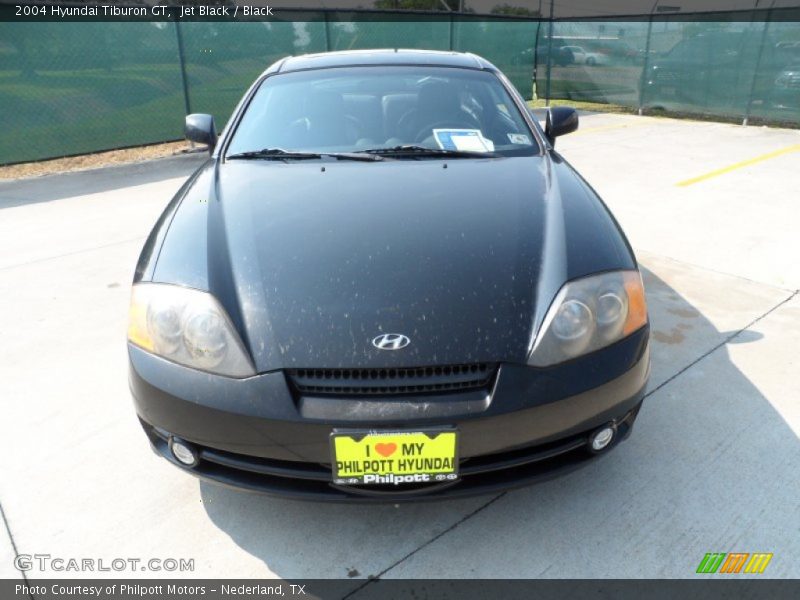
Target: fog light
(601,438)
(183,452)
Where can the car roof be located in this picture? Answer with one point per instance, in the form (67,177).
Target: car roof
(396,56)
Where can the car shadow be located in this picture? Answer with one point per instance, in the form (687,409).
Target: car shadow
(691,479)
(33,190)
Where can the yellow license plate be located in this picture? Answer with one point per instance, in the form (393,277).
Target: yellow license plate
(394,457)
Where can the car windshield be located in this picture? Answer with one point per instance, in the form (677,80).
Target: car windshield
(388,109)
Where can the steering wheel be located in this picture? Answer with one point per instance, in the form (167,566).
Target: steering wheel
(304,125)
(499,126)
(426,131)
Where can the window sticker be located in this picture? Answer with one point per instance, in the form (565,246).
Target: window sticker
(519,138)
(468,140)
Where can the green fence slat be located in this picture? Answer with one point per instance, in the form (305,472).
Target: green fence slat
(78,87)
(71,88)
(510,45)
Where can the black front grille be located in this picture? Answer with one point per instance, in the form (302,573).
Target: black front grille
(392,381)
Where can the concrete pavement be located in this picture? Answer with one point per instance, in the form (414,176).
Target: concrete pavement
(743,222)
(711,465)
(708,467)
(7,554)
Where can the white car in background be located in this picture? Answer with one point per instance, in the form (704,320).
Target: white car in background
(581,56)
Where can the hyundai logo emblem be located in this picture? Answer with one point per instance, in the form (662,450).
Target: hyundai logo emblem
(391,341)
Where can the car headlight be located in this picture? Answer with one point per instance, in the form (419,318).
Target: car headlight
(589,314)
(186,326)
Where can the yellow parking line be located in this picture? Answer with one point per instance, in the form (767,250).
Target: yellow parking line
(739,165)
(609,127)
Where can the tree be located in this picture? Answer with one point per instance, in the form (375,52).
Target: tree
(438,5)
(516,11)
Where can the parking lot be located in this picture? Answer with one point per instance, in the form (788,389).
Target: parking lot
(711,466)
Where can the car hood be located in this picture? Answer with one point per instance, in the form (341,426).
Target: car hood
(314,259)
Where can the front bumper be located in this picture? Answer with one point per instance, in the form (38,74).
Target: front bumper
(260,435)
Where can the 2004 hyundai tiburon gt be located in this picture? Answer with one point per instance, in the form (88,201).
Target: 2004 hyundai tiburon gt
(385,284)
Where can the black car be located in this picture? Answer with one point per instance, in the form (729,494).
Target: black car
(385,284)
(785,92)
(721,70)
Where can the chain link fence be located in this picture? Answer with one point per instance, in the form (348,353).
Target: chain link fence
(73,88)
(742,66)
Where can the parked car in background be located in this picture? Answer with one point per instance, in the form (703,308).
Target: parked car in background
(561,56)
(615,51)
(786,90)
(789,48)
(720,70)
(583,56)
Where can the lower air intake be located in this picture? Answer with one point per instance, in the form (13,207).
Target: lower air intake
(395,381)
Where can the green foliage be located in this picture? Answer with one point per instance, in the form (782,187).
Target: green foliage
(439,5)
(516,11)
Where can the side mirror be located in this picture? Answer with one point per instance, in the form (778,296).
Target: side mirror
(561,120)
(200,128)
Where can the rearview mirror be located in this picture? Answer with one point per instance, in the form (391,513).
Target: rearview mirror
(561,120)
(200,128)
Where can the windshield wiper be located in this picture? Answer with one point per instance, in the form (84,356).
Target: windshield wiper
(281,154)
(414,150)
(274,154)
(353,156)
